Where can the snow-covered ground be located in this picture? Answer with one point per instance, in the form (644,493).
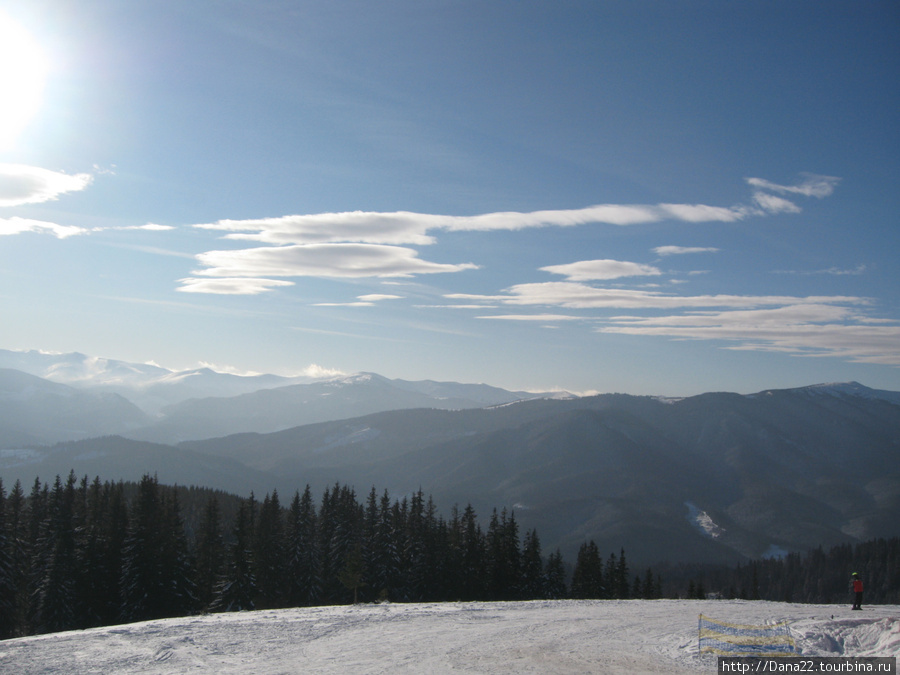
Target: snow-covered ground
(630,636)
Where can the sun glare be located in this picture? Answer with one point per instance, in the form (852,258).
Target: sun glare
(23,70)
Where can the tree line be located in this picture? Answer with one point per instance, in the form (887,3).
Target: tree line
(79,553)
(817,576)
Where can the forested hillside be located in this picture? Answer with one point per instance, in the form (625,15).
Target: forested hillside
(77,554)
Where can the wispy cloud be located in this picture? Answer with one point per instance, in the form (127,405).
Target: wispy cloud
(663,251)
(800,329)
(361,301)
(531,317)
(582,296)
(16,225)
(361,244)
(322,260)
(242,286)
(835,271)
(813,185)
(22,184)
(587,270)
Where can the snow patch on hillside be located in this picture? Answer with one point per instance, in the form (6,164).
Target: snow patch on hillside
(703,521)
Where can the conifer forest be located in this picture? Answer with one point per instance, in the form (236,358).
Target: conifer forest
(80,553)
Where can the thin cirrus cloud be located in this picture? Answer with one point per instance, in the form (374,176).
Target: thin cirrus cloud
(582,296)
(361,244)
(663,251)
(800,329)
(834,326)
(368,300)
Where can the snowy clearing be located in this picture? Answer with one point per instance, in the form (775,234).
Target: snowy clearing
(624,636)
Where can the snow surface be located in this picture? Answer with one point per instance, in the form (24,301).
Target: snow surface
(625,636)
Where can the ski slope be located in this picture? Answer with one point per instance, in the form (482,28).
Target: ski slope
(628,636)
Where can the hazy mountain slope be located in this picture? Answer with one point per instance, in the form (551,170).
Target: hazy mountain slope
(778,470)
(148,386)
(36,411)
(280,408)
(115,458)
(711,477)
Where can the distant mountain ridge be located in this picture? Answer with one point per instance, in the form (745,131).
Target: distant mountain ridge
(719,476)
(201,403)
(35,411)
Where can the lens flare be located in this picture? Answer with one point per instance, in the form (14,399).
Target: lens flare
(23,71)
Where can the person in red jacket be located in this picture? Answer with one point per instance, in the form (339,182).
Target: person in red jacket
(857,591)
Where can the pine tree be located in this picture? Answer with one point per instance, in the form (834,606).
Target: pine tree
(351,575)
(55,608)
(178,566)
(7,572)
(622,586)
(210,554)
(473,545)
(303,551)
(269,559)
(100,567)
(556,576)
(587,577)
(504,565)
(238,589)
(385,552)
(534,582)
(18,547)
(649,590)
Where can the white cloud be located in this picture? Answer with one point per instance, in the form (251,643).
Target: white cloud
(531,317)
(682,250)
(405,227)
(16,225)
(361,301)
(582,296)
(322,260)
(22,184)
(242,286)
(801,329)
(369,244)
(813,185)
(153,227)
(586,270)
(774,204)
(835,271)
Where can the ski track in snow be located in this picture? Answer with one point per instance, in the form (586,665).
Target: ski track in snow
(625,636)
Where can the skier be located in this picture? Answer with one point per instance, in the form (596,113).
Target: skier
(857,591)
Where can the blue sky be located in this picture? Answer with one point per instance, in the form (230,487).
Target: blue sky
(644,197)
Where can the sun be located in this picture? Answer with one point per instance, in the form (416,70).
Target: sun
(23,71)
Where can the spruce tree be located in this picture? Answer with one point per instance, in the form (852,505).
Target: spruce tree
(269,559)
(303,551)
(237,590)
(210,554)
(504,564)
(18,549)
(7,572)
(587,577)
(534,582)
(556,576)
(55,608)
(473,545)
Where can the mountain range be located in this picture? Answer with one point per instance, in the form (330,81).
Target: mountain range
(714,477)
